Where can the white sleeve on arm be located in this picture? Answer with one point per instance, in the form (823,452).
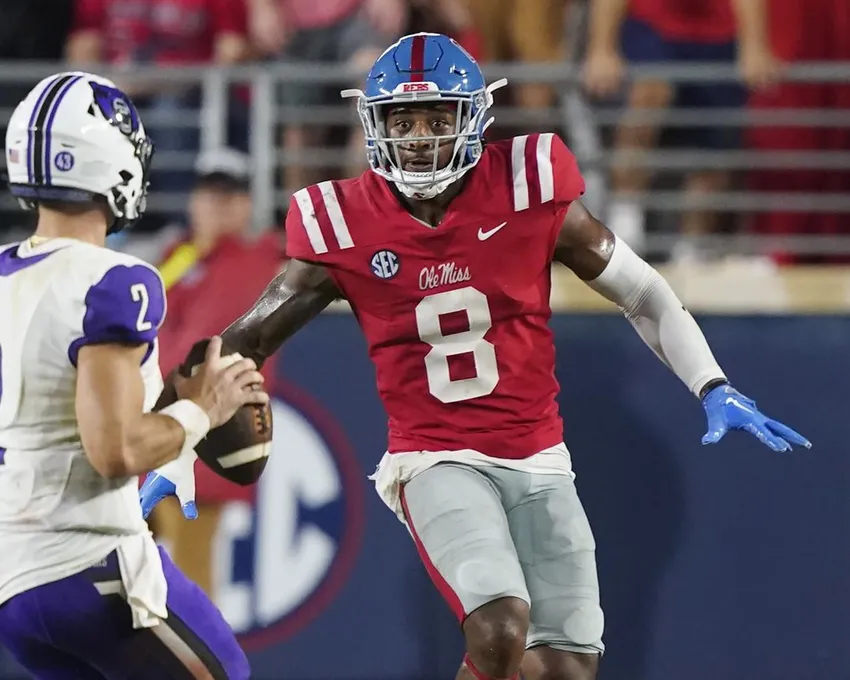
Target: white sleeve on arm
(659,317)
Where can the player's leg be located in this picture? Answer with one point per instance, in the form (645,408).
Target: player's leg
(194,641)
(86,617)
(494,636)
(23,635)
(457,521)
(556,550)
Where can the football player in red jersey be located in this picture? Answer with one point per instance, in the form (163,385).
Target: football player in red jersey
(444,249)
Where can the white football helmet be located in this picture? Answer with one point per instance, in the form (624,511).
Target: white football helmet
(77,137)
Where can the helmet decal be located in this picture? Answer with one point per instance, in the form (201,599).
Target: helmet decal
(116,108)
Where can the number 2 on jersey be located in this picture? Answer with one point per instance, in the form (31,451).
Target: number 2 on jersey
(139,293)
(444,345)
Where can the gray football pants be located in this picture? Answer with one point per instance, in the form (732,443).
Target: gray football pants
(486,533)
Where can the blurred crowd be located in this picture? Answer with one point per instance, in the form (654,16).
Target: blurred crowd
(758,37)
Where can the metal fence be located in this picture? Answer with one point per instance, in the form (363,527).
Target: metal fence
(585,124)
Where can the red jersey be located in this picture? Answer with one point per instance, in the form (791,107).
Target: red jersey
(710,21)
(160,31)
(456,317)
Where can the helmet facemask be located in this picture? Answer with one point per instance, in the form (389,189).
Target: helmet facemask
(128,200)
(467,139)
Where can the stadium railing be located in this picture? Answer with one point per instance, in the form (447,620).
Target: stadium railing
(585,124)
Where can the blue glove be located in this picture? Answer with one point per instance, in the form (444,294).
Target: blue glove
(176,478)
(727,409)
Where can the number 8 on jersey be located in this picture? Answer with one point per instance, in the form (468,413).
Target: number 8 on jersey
(428,312)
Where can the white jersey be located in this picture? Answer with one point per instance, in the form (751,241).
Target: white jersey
(57,514)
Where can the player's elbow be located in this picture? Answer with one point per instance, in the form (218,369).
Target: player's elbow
(112,459)
(111,462)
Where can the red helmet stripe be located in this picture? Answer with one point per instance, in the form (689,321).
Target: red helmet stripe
(417,59)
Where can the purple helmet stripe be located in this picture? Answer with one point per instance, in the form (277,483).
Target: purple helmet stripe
(31,128)
(36,128)
(48,128)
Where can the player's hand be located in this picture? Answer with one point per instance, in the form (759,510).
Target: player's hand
(176,478)
(222,385)
(758,67)
(727,409)
(604,71)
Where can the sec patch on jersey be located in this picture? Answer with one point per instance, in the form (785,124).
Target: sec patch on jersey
(238,450)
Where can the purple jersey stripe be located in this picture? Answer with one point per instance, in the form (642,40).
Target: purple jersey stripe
(12,263)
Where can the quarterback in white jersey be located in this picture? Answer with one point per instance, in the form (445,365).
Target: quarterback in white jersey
(84,590)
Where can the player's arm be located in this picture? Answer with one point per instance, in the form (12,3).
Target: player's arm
(614,270)
(119,439)
(611,268)
(119,317)
(294,297)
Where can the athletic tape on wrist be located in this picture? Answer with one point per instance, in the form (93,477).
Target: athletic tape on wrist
(192,418)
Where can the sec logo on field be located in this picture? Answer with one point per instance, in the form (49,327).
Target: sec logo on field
(281,563)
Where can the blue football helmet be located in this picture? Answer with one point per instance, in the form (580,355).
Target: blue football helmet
(425,67)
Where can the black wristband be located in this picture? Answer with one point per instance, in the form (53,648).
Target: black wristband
(710,385)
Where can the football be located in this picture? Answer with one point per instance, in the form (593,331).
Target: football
(238,450)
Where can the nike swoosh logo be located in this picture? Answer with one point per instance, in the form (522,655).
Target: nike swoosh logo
(484,235)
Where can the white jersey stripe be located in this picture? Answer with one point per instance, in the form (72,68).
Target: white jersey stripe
(545,172)
(343,236)
(181,649)
(519,173)
(308,219)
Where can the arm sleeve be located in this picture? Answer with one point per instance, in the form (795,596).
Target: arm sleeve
(126,306)
(659,317)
